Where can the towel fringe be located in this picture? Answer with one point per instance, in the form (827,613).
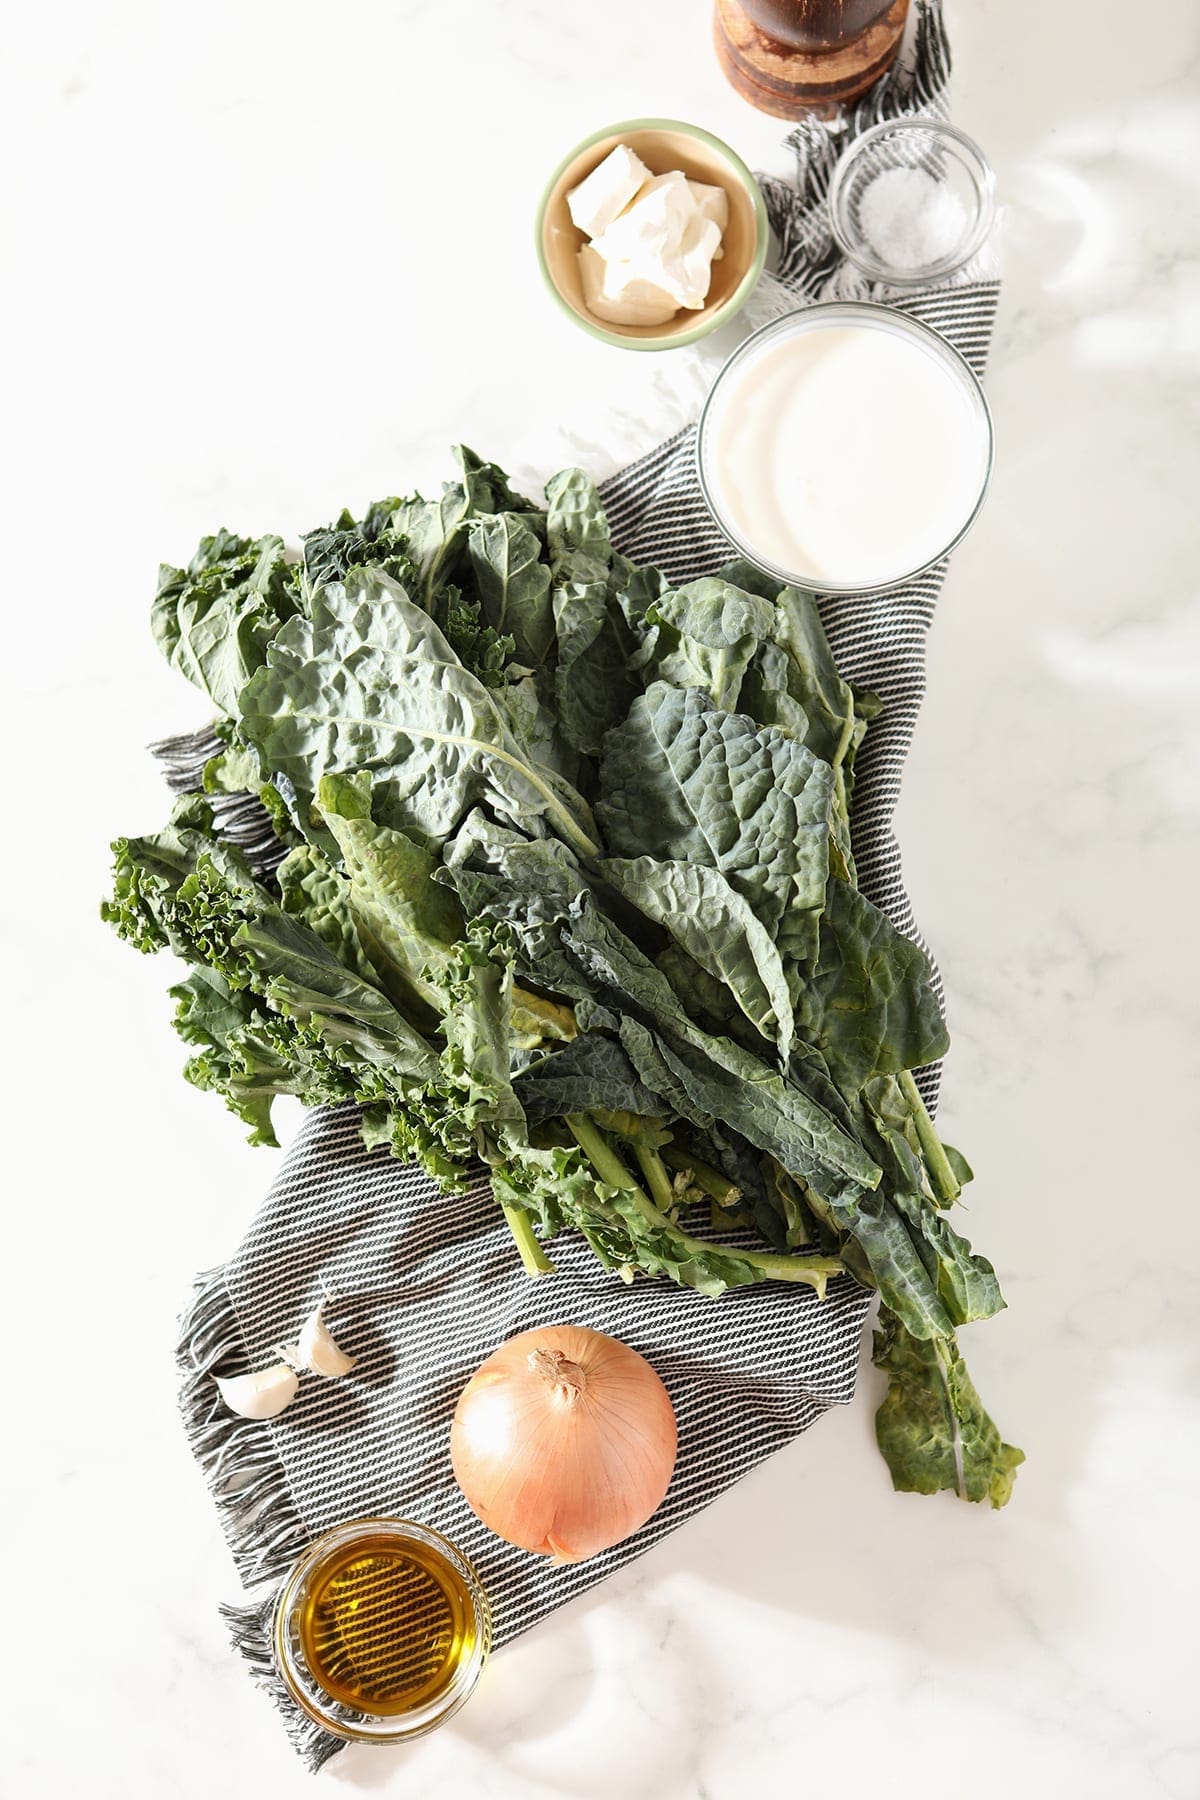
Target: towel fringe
(237,1457)
(254,1501)
(250,1634)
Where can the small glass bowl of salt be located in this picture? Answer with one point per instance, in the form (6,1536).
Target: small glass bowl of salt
(912,201)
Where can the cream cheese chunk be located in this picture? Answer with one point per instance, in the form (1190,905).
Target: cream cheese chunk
(691,271)
(712,202)
(612,184)
(653,222)
(654,254)
(614,293)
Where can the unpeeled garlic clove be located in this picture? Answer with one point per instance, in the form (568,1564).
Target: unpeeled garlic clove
(260,1395)
(317,1349)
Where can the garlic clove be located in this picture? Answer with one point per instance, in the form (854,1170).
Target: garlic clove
(260,1395)
(317,1349)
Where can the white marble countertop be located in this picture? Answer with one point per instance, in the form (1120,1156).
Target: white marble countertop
(271,258)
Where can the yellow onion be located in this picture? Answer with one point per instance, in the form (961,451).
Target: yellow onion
(564,1441)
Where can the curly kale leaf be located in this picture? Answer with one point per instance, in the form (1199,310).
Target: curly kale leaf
(333,550)
(270,1007)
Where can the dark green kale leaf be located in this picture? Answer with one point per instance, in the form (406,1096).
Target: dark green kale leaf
(932,1427)
(704,635)
(513,585)
(593,681)
(214,620)
(539,892)
(683,781)
(592,1071)
(333,550)
(713,924)
(868,1002)
(368,682)
(270,1006)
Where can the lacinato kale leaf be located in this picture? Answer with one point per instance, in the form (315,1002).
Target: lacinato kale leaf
(513,584)
(705,635)
(408,922)
(713,924)
(593,682)
(366,681)
(684,781)
(214,620)
(932,1429)
(537,891)
(590,1072)
(867,1002)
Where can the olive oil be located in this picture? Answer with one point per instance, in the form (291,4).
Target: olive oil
(380,1630)
(385,1624)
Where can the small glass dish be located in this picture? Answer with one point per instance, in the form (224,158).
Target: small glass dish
(912,201)
(380,1630)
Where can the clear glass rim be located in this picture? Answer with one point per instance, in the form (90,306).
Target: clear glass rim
(308,1694)
(885,318)
(985,192)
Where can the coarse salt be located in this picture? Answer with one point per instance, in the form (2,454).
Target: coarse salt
(910,219)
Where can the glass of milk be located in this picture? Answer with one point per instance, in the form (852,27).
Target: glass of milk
(845,448)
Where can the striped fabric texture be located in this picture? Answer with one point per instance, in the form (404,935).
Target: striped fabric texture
(423,1285)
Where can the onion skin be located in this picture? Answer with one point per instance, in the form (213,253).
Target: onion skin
(570,1455)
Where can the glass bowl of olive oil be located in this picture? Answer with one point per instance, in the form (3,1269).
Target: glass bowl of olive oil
(381,1630)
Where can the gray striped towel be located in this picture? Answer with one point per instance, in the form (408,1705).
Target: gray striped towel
(425,1286)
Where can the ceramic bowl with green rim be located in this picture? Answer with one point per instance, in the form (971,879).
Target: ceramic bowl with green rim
(663,145)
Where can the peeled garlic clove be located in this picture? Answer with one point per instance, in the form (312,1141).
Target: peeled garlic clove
(318,1350)
(261,1395)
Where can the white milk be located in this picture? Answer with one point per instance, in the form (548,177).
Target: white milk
(845,453)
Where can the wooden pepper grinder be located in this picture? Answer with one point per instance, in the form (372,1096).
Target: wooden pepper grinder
(791,57)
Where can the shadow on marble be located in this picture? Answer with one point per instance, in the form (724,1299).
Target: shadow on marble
(526,1700)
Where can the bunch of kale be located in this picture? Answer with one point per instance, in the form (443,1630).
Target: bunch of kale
(564,881)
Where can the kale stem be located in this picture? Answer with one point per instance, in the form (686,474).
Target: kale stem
(570,828)
(654,1169)
(710,1181)
(839,755)
(533,1258)
(945,1183)
(601,1155)
(815,1270)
